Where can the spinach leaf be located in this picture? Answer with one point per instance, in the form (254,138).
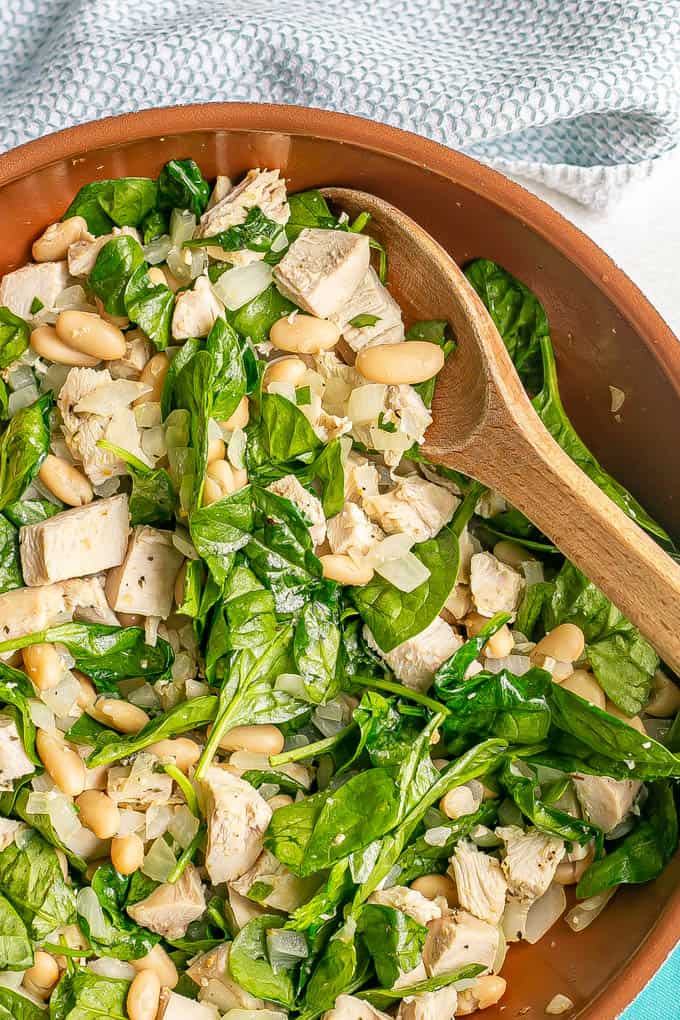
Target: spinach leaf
(286,432)
(188,715)
(16,690)
(394,616)
(120,937)
(280,551)
(394,940)
(181,185)
(641,855)
(257,233)
(149,305)
(435,331)
(42,824)
(383,998)
(31,879)
(423,858)
(452,672)
(83,995)
(308,209)
(31,511)
(122,202)
(316,649)
(154,224)
(500,705)
(254,319)
(249,965)
(221,529)
(230,373)
(10,562)
(343,967)
(23,447)
(520,780)
(179,361)
(16,951)
(116,262)
(15,1006)
(14,337)
(330,473)
(152,497)
(194,392)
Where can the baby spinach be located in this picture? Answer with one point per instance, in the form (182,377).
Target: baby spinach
(521,781)
(16,951)
(423,858)
(181,185)
(31,511)
(501,705)
(14,337)
(383,998)
(188,715)
(286,431)
(23,447)
(254,319)
(317,648)
(179,361)
(308,209)
(249,964)
(15,1006)
(31,879)
(10,562)
(343,967)
(120,938)
(152,497)
(116,262)
(452,672)
(434,331)
(149,305)
(221,529)
(121,202)
(231,381)
(394,940)
(328,470)
(155,224)
(257,233)
(83,995)
(16,690)
(194,392)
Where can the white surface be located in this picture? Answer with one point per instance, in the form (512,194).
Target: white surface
(641,232)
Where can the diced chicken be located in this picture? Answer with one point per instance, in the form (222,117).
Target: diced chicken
(222,188)
(309,505)
(414,417)
(8,830)
(490,504)
(495,587)
(14,762)
(458,939)
(243,909)
(480,882)
(415,506)
(361,479)
(77,542)
(605,802)
(44,280)
(145,580)
(409,901)
(174,1006)
(530,861)
(328,426)
(82,254)
(229,206)
(210,972)
(351,533)
(415,661)
(138,350)
(322,269)
(440,1005)
(370,298)
(468,547)
(170,908)
(26,610)
(348,1007)
(237,820)
(195,311)
(288,892)
(138,787)
(459,602)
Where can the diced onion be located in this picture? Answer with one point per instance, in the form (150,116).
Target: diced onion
(196,688)
(130,821)
(108,967)
(292,683)
(247,1014)
(514,919)
(509,813)
(517,664)
(74,297)
(22,398)
(20,377)
(182,226)
(283,389)
(153,442)
(617,399)
(159,861)
(54,378)
(406,574)
(89,907)
(285,948)
(184,826)
(157,251)
(330,718)
(437,836)
(108,487)
(236,449)
(177,428)
(41,715)
(366,403)
(11,979)
(247,761)
(237,287)
(144,696)
(394,547)
(62,698)
(482,836)
(533,571)
(148,414)
(544,912)
(559,1004)
(585,912)
(183,543)
(158,819)
(59,809)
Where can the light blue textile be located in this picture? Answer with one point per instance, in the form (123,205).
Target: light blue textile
(580,94)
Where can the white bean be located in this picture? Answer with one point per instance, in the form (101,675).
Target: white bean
(219,482)
(216,450)
(665,699)
(41,978)
(90,334)
(304,334)
(280,800)
(157,276)
(399,364)
(64,766)
(118,714)
(153,374)
(159,962)
(500,644)
(565,643)
(44,665)
(143,996)
(433,886)
(87,694)
(239,417)
(584,684)
(486,991)
(631,720)
(54,243)
(46,343)
(458,802)
(264,738)
(98,813)
(344,570)
(127,854)
(65,481)
(288,370)
(511,553)
(185,752)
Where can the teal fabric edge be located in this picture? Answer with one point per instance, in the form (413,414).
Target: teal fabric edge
(660,999)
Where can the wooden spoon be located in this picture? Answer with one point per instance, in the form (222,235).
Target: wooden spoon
(485,426)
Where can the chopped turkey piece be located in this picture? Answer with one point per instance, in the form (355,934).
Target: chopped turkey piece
(237,819)
(361,479)
(458,939)
(74,543)
(348,1007)
(195,311)
(170,909)
(174,1006)
(263,189)
(409,901)
(309,505)
(415,506)
(14,762)
(243,909)
(138,350)
(495,587)
(82,254)
(26,610)
(288,892)
(322,269)
(415,661)
(414,416)
(210,972)
(459,602)
(370,298)
(439,1005)
(468,546)
(490,504)
(44,280)
(144,582)
(605,802)
(530,861)
(480,882)
(351,533)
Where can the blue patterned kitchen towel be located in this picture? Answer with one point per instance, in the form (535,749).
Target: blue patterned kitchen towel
(582,95)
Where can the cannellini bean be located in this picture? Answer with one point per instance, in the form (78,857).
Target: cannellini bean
(127,854)
(304,334)
(635,721)
(98,813)
(402,363)
(63,765)
(41,978)
(433,886)
(486,991)
(280,800)
(119,715)
(91,869)
(44,666)
(511,553)
(665,699)
(265,738)
(239,418)
(458,802)
(53,244)
(153,374)
(565,643)
(219,482)
(143,996)
(159,962)
(344,570)
(288,370)
(90,334)
(87,694)
(212,493)
(65,481)
(500,644)
(46,343)
(185,752)
(216,450)
(584,684)
(157,276)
